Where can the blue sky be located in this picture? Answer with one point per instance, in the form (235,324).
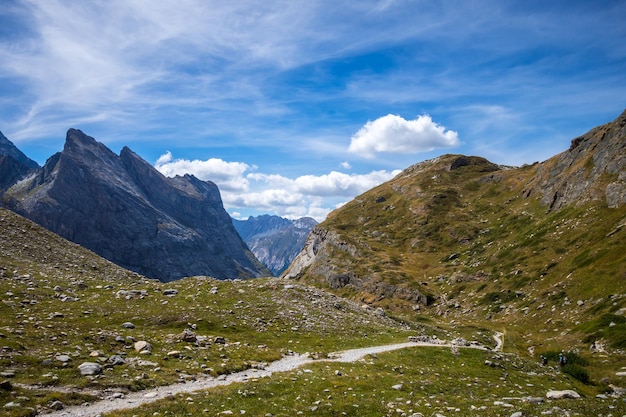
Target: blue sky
(295,107)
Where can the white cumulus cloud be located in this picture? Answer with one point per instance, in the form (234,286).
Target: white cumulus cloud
(306,195)
(227,175)
(394,134)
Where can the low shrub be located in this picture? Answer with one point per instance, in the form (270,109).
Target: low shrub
(577,372)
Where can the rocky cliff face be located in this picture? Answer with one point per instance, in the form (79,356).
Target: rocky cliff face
(14,165)
(593,168)
(126,211)
(274,240)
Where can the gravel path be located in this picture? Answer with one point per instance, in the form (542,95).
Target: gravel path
(288,363)
(499,338)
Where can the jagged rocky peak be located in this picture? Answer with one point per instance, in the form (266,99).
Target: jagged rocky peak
(126,211)
(274,240)
(9,149)
(14,165)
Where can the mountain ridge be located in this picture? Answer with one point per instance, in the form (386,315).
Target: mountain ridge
(14,164)
(451,249)
(274,240)
(125,210)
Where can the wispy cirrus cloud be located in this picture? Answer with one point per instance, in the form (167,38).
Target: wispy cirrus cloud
(284,90)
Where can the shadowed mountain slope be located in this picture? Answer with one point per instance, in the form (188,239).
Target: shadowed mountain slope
(14,165)
(126,211)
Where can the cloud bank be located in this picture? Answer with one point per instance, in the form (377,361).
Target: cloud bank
(243,189)
(394,134)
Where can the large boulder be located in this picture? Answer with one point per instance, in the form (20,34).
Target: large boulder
(90,368)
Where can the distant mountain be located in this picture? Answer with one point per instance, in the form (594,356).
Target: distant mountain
(537,247)
(123,209)
(274,240)
(14,165)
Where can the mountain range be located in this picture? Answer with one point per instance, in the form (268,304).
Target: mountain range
(123,209)
(274,240)
(491,272)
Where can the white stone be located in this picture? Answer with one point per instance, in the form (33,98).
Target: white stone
(90,368)
(558,395)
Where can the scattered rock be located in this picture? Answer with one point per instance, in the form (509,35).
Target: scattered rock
(12,404)
(188,336)
(397,387)
(170,292)
(130,294)
(63,358)
(534,400)
(9,373)
(219,340)
(145,363)
(128,325)
(56,405)
(558,395)
(143,347)
(116,360)
(90,368)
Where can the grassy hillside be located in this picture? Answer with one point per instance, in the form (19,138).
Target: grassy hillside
(477,251)
(62,306)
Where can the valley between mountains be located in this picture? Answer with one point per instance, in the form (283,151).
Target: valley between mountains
(410,280)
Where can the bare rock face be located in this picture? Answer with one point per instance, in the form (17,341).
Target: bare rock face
(14,165)
(275,241)
(123,209)
(318,247)
(593,168)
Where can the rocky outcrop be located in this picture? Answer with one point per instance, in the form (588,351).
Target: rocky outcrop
(592,169)
(8,148)
(319,257)
(126,211)
(274,240)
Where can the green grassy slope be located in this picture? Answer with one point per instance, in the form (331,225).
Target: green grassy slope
(58,299)
(478,252)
